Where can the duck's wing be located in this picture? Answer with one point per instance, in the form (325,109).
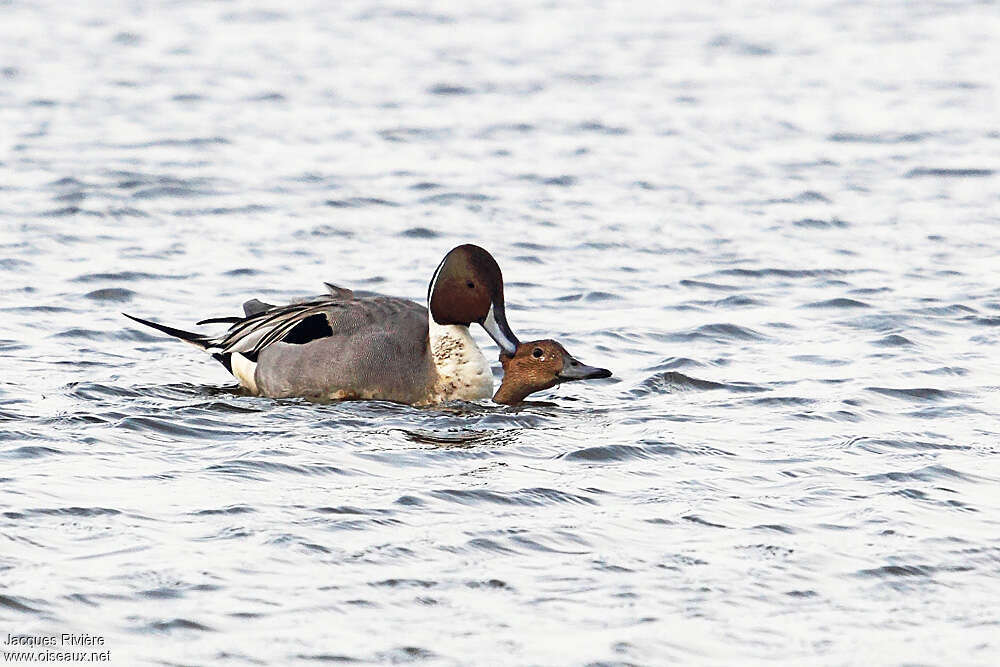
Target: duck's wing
(262,327)
(322,317)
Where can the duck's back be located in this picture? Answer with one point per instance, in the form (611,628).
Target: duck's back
(369,347)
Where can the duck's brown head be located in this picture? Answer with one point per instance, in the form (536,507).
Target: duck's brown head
(468,287)
(537,365)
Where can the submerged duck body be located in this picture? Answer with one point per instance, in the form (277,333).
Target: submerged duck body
(343,346)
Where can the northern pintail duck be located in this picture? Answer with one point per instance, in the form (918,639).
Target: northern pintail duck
(538,365)
(345,346)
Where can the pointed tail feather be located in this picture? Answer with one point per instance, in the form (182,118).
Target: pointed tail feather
(197,340)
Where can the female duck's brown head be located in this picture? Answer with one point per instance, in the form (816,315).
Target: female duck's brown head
(468,287)
(537,365)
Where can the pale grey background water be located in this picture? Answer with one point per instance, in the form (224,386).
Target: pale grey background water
(776,222)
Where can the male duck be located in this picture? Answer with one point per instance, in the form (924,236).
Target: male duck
(343,346)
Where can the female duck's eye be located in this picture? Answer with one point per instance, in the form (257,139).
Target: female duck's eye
(470,285)
(537,353)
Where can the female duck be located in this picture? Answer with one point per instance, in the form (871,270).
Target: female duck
(538,365)
(342,346)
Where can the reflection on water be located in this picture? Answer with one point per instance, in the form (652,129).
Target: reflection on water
(776,225)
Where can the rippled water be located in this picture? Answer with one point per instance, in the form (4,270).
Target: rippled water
(776,222)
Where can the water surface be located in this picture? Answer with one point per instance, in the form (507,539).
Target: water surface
(777,224)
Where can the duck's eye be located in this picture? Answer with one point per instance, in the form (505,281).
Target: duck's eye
(537,353)
(470,285)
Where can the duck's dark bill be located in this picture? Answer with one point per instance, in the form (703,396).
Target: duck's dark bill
(574,370)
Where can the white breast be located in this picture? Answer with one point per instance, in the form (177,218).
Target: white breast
(463,372)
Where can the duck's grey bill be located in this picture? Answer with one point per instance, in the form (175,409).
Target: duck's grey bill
(574,370)
(496,326)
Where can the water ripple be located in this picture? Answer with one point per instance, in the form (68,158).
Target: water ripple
(529,497)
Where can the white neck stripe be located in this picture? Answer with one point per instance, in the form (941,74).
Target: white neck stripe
(433,283)
(493,329)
